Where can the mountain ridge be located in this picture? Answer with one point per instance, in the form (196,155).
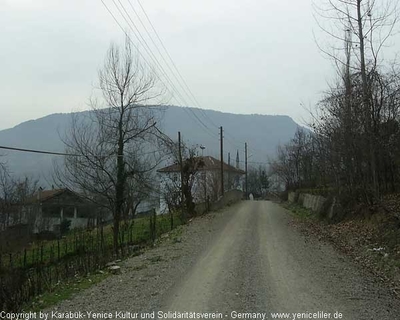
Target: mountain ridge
(263,133)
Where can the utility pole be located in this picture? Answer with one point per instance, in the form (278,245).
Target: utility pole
(204,180)
(245,167)
(222,161)
(181,169)
(229,176)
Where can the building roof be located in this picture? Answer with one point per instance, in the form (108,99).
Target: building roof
(210,164)
(43,195)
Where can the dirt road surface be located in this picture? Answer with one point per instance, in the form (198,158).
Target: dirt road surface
(246,260)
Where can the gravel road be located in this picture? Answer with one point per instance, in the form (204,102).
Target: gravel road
(244,261)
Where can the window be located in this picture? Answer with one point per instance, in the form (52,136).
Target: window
(69,212)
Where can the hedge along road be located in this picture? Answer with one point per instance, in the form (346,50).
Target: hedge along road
(245,261)
(258,264)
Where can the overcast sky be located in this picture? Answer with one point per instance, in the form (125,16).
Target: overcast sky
(256,56)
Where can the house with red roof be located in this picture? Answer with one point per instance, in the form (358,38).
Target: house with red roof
(206,182)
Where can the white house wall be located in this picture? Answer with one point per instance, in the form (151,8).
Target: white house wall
(198,191)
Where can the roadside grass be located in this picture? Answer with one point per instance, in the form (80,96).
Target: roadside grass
(49,254)
(176,234)
(64,291)
(299,211)
(48,251)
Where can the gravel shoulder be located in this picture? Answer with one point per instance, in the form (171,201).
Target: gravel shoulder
(146,278)
(245,258)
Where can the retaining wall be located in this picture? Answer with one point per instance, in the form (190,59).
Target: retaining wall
(310,201)
(329,208)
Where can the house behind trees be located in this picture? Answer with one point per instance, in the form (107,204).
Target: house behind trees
(46,210)
(206,182)
(51,207)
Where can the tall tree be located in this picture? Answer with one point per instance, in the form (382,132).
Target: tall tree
(113,146)
(364,27)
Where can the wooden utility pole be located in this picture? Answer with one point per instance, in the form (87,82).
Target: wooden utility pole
(229,176)
(245,168)
(181,170)
(222,162)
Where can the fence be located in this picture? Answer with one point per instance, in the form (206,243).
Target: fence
(34,270)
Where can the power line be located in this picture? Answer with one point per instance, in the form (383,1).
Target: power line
(37,151)
(169,56)
(255,162)
(185,86)
(152,56)
(65,154)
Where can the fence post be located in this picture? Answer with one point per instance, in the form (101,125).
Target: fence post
(25,258)
(131,231)
(51,253)
(154,226)
(102,237)
(58,249)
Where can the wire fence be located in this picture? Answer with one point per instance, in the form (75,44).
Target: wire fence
(38,269)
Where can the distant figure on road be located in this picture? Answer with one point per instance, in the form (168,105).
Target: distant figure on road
(251,197)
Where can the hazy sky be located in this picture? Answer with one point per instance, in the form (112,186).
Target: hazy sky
(255,56)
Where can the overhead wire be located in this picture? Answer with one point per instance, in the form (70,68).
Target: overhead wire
(36,151)
(185,86)
(207,130)
(168,55)
(55,153)
(153,57)
(179,79)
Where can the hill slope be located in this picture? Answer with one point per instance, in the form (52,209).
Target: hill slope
(262,132)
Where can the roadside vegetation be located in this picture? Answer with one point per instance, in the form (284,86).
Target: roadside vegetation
(64,290)
(51,270)
(352,148)
(372,242)
(350,153)
(109,160)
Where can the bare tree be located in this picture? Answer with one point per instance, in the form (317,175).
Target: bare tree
(364,27)
(14,193)
(175,188)
(6,195)
(113,147)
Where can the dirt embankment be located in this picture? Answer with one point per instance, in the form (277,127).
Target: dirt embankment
(372,238)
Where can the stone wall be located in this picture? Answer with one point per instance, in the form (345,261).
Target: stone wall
(326,208)
(314,202)
(292,196)
(310,201)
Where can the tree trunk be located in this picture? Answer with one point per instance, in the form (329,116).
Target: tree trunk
(119,189)
(367,102)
